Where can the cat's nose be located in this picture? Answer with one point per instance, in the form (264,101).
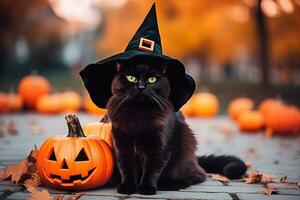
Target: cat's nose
(141,85)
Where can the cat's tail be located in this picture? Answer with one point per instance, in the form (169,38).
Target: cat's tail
(229,166)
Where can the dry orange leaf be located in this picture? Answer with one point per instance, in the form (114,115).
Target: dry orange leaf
(33,154)
(218,177)
(20,170)
(15,171)
(267,191)
(34,181)
(283,179)
(38,195)
(258,177)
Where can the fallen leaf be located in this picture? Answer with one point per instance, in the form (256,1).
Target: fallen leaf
(76,196)
(33,154)
(267,191)
(21,170)
(283,179)
(34,181)
(258,177)
(11,128)
(15,171)
(218,177)
(38,195)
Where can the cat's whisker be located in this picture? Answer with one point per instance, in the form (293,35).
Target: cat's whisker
(118,104)
(160,105)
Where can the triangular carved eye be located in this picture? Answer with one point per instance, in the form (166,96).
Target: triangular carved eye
(52,156)
(82,156)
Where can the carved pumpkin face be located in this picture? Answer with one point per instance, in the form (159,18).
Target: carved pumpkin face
(75,161)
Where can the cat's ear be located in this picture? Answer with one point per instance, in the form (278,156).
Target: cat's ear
(118,66)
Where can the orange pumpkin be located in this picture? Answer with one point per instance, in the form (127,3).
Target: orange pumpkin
(283,120)
(187,109)
(204,105)
(4,103)
(49,104)
(71,101)
(99,129)
(15,102)
(75,162)
(269,104)
(238,106)
(91,107)
(32,87)
(251,121)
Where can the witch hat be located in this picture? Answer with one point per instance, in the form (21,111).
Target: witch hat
(145,44)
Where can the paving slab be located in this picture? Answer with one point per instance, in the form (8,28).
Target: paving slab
(265,197)
(277,155)
(227,189)
(187,195)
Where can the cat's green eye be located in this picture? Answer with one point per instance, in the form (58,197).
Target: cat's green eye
(152,79)
(131,79)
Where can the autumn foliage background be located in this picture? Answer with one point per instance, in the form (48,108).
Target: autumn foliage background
(232,48)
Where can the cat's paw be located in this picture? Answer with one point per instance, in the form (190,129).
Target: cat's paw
(127,188)
(147,190)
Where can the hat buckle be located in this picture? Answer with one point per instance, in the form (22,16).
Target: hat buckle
(146,44)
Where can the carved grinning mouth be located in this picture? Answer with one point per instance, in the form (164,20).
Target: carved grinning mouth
(73,178)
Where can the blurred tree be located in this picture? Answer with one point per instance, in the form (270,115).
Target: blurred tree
(28,29)
(212,30)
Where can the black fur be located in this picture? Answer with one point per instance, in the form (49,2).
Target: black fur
(153,145)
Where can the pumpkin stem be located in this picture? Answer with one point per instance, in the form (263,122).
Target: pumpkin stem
(75,129)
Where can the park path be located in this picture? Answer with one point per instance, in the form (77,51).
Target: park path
(277,155)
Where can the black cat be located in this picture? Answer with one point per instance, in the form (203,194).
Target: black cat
(153,145)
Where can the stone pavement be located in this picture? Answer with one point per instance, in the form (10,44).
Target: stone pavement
(279,156)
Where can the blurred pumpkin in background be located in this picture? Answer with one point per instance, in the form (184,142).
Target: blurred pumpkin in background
(49,104)
(99,129)
(15,102)
(71,101)
(75,161)
(238,106)
(283,119)
(250,121)
(32,87)
(269,104)
(91,107)
(187,109)
(4,103)
(204,104)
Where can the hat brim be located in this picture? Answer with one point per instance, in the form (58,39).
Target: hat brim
(98,77)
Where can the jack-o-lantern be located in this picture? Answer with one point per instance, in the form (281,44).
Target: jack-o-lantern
(75,162)
(99,129)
